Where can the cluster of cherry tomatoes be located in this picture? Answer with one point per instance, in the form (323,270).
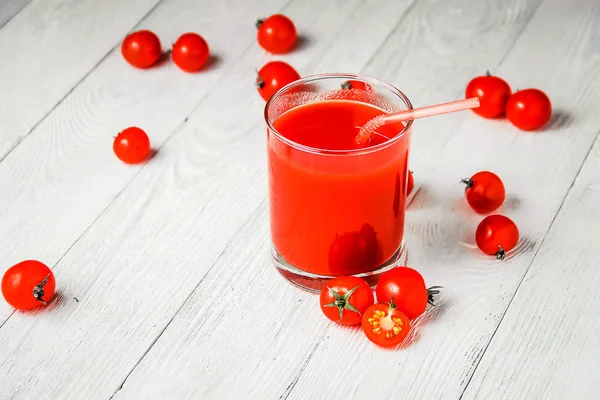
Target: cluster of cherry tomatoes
(401,292)
(277,35)
(401,297)
(527,109)
(30,284)
(496,234)
(142,49)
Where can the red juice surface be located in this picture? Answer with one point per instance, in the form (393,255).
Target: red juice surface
(336,214)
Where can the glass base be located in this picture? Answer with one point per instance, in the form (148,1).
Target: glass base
(314,282)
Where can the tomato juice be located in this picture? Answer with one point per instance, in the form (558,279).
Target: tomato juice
(336,209)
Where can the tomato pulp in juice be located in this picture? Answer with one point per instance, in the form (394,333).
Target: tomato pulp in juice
(336,214)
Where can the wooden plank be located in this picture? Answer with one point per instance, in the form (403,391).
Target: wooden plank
(56,183)
(10,8)
(537,168)
(197,350)
(64,40)
(547,345)
(278,347)
(174,220)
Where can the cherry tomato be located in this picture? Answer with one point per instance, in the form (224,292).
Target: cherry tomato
(493,93)
(385,325)
(356,85)
(276,34)
(410,184)
(345,299)
(406,288)
(28,284)
(141,49)
(190,52)
(273,76)
(132,146)
(528,109)
(484,192)
(354,252)
(496,235)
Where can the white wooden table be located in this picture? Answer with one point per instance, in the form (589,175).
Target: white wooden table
(169,261)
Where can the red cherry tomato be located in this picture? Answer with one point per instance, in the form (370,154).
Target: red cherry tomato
(358,85)
(141,49)
(354,252)
(28,284)
(132,145)
(484,192)
(406,288)
(410,184)
(385,325)
(528,109)
(273,76)
(345,299)
(190,52)
(493,93)
(496,235)
(276,34)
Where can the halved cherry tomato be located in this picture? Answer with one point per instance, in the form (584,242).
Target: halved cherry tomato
(385,325)
(344,299)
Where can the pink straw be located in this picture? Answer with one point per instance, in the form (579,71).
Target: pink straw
(364,135)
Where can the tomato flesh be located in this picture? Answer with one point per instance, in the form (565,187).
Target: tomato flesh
(385,325)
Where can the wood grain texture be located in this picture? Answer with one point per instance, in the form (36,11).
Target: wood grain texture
(56,183)
(537,170)
(148,236)
(9,8)
(48,48)
(547,346)
(177,296)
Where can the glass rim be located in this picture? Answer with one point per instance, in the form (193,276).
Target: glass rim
(347,76)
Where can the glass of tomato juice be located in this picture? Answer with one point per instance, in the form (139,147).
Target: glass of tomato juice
(336,208)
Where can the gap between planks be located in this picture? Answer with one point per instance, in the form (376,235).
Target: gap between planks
(482,353)
(287,393)
(75,86)
(14,13)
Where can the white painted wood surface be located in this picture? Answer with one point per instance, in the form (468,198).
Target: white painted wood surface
(170,262)
(9,8)
(547,345)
